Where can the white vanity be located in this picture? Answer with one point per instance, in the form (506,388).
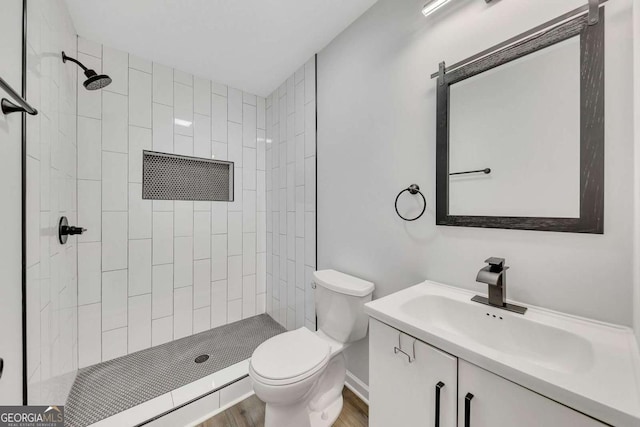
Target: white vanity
(439,359)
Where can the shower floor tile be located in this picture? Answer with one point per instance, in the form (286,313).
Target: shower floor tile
(106,389)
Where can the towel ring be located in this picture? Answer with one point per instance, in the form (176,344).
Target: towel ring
(412,189)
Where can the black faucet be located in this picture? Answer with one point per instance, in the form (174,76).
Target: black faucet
(495,275)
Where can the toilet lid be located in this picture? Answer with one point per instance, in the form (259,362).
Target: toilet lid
(290,355)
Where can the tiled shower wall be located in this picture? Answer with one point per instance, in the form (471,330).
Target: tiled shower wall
(154,271)
(291,199)
(52,334)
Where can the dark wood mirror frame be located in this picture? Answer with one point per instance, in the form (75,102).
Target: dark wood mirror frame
(591,128)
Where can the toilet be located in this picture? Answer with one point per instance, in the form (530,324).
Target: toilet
(300,374)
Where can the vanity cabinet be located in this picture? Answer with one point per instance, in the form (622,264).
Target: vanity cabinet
(411,383)
(498,402)
(414,384)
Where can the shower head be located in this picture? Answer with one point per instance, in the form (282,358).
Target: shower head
(94,80)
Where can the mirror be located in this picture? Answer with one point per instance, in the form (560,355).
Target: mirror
(521,134)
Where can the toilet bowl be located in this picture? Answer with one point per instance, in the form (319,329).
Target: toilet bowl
(300,374)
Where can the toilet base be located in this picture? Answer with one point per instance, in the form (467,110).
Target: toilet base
(327,417)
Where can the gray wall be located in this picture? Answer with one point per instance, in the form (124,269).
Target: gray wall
(376,135)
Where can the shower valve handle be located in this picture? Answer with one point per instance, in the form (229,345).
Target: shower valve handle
(71,230)
(65,230)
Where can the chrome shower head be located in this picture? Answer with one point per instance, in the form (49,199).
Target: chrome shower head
(94,80)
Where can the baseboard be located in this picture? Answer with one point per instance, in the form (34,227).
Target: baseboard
(358,388)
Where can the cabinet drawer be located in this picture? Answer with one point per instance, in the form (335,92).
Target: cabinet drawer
(497,402)
(410,382)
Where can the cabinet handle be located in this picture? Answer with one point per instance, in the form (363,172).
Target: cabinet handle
(467,410)
(438,388)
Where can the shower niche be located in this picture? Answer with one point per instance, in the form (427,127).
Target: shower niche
(176,177)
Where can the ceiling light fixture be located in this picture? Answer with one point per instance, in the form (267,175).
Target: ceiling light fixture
(432,6)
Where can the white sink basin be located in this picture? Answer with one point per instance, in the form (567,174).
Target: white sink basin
(516,335)
(591,366)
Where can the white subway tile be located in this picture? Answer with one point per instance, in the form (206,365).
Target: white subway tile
(249,118)
(291,235)
(218,118)
(248,254)
(200,206)
(219,218)
(89,335)
(115,64)
(161,330)
(182,312)
(201,319)
(114,241)
(201,283)
(183,145)
(202,136)
(249,211)
(219,150)
(114,344)
(89,101)
(235,277)
(162,84)
(235,233)
(310,80)
(309,292)
(89,149)
(183,259)
(235,105)
(140,64)
(89,47)
(234,311)
(261,119)
(140,214)
(140,99)
(261,273)
(300,319)
(183,109)
(310,130)
(162,238)
(201,235)
(299,174)
(261,163)
(219,88)
(248,296)
(261,244)
(310,184)
(202,96)
(114,299)
(299,76)
(299,211)
(291,86)
(163,205)
(139,323)
(89,273)
(182,77)
(218,257)
(261,302)
(162,296)
(299,114)
(236,205)
(218,303)
(183,218)
(234,148)
(139,140)
(300,262)
(139,267)
(114,181)
(89,210)
(114,122)
(310,239)
(162,128)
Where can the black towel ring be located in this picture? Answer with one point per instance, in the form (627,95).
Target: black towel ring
(413,189)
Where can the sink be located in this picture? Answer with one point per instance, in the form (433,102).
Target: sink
(590,366)
(516,335)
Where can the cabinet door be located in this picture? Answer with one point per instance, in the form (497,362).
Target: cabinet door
(403,387)
(497,402)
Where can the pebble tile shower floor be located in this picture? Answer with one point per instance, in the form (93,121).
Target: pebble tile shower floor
(108,388)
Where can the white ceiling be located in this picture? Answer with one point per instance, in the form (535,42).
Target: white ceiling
(252,45)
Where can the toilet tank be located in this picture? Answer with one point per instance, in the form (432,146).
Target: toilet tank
(340,301)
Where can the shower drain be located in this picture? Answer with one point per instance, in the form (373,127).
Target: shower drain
(202,358)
